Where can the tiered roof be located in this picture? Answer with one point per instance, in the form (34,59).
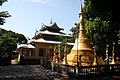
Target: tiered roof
(50,29)
(49,41)
(53,27)
(49,34)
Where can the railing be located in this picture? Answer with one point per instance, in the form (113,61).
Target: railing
(83,71)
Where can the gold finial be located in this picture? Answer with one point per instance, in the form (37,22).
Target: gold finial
(81,10)
(81,29)
(51,21)
(106,59)
(81,15)
(113,60)
(95,56)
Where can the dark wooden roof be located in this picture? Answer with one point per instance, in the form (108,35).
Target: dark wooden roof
(53,27)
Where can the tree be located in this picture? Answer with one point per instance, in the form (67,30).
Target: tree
(75,31)
(105,10)
(2,1)
(3,14)
(101,23)
(8,44)
(8,39)
(97,31)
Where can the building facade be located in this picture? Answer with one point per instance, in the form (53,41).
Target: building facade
(44,42)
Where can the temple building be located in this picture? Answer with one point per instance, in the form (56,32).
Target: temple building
(81,53)
(26,50)
(39,46)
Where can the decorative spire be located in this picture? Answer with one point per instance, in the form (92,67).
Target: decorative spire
(82,30)
(113,60)
(81,47)
(106,59)
(65,54)
(51,21)
(59,55)
(54,54)
(81,15)
(95,56)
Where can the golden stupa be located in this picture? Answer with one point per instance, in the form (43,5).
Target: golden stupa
(81,53)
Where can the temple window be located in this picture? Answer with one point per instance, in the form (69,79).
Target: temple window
(32,53)
(42,52)
(26,53)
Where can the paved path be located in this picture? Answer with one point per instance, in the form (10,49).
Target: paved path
(28,72)
(37,72)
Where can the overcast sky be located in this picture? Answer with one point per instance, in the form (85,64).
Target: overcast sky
(28,15)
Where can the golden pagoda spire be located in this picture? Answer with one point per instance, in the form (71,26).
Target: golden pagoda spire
(81,16)
(82,42)
(81,47)
(81,29)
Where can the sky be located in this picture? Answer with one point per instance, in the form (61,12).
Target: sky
(27,16)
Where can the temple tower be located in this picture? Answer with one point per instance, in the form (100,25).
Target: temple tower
(81,53)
